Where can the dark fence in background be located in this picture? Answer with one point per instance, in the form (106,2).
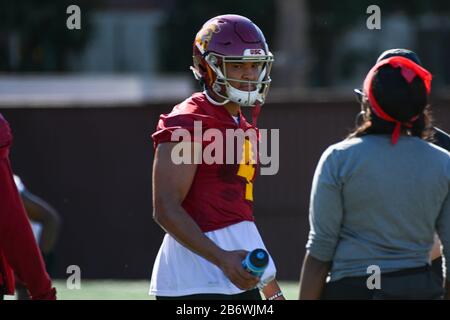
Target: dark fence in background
(94,165)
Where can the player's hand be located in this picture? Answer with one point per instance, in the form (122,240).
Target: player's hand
(231,265)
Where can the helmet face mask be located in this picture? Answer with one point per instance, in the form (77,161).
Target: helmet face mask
(227,40)
(227,87)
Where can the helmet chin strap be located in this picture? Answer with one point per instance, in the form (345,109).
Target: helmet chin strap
(214,102)
(243,98)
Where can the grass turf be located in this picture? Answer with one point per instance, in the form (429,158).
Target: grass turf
(128,290)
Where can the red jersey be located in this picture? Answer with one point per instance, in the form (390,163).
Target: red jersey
(221,194)
(18,249)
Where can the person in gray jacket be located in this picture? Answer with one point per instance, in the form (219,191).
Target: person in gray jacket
(379,197)
(439,138)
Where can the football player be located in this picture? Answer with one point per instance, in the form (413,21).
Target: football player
(19,252)
(207,209)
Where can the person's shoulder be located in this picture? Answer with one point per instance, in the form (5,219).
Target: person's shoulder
(186,112)
(346,149)
(185,115)
(434,154)
(333,150)
(195,104)
(346,144)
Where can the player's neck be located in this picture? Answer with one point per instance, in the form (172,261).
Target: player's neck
(233,108)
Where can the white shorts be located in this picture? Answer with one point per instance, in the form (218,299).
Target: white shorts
(178,271)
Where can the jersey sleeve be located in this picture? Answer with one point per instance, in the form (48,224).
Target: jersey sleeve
(187,127)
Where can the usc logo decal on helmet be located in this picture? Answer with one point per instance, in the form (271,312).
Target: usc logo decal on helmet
(205,35)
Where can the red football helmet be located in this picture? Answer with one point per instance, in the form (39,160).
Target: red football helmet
(230,39)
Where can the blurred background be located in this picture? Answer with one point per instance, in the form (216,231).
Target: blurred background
(83,103)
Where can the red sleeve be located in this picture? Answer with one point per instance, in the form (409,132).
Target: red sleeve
(17,244)
(169,124)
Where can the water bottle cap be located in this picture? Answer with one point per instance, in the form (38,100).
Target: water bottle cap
(259,259)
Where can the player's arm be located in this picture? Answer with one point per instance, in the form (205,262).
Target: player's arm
(273,291)
(171,184)
(312,279)
(40,211)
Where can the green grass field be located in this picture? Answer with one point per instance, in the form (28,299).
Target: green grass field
(128,290)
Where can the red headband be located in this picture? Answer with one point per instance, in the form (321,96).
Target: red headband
(409,71)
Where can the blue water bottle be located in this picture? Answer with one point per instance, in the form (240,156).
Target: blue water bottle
(256,262)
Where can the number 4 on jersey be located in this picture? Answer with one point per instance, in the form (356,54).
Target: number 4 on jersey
(247,168)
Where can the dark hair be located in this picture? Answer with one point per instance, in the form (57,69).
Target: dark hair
(399,99)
